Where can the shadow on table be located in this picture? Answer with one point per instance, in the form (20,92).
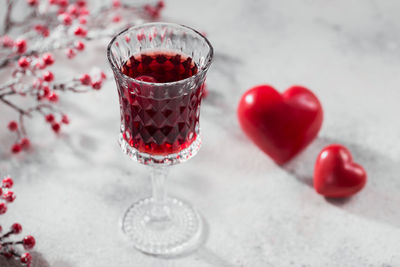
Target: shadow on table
(38,261)
(202,252)
(378,200)
(213,259)
(82,146)
(208,255)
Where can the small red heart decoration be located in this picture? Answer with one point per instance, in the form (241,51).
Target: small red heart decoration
(335,173)
(280,124)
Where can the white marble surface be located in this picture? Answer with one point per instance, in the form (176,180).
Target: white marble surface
(73,189)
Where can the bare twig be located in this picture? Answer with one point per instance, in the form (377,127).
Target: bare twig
(12,105)
(7,20)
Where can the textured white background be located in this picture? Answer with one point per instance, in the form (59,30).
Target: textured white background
(73,189)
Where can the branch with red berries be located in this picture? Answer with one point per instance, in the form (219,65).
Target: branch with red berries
(9,247)
(58,24)
(55,25)
(32,80)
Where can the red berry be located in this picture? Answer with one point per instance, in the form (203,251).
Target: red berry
(48,58)
(1,192)
(83,11)
(32,2)
(3,208)
(73,10)
(65,119)
(153,12)
(29,242)
(85,79)
(80,31)
(81,3)
(7,41)
(103,75)
(62,3)
(1,230)
(9,196)
(79,45)
(16,228)
(50,117)
(16,148)
(8,182)
(53,97)
(82,20)
(52,2)
(20,45)
(116,18)
(8,254)
(23,62)
(45,32)
(116,3)
(96,85)
(13,126)
(70,53)
(66,19)
(26,258)
(38,27)
(46,91)
(25,143)
(56,127)
(48,76)
(161,4)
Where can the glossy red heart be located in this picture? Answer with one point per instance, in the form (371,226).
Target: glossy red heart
(280,124)
(335,173)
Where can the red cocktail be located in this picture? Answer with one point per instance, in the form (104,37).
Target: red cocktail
(160,126)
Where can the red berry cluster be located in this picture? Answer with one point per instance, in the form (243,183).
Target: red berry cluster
(71,12)
(155,11)
(73,16)
(19,45)
(42,30)
(8,247)
(6,195)
(56,125)
(23,143)
(34,66)
(44,88)
(95,80)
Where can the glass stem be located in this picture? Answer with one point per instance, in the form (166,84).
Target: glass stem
(160,210)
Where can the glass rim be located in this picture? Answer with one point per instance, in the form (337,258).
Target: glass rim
(202,70)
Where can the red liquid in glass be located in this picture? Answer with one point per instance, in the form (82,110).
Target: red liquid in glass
(154,126)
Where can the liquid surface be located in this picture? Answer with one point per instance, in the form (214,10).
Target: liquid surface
(160,67)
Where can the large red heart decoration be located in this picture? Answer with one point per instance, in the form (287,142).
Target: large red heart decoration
(280,124)
(335,173)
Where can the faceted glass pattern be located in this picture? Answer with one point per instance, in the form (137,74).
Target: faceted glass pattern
(160,127)
(160,121)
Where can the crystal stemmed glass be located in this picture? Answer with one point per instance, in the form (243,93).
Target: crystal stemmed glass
(160,128)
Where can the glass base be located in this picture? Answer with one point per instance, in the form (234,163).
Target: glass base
(180,233)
